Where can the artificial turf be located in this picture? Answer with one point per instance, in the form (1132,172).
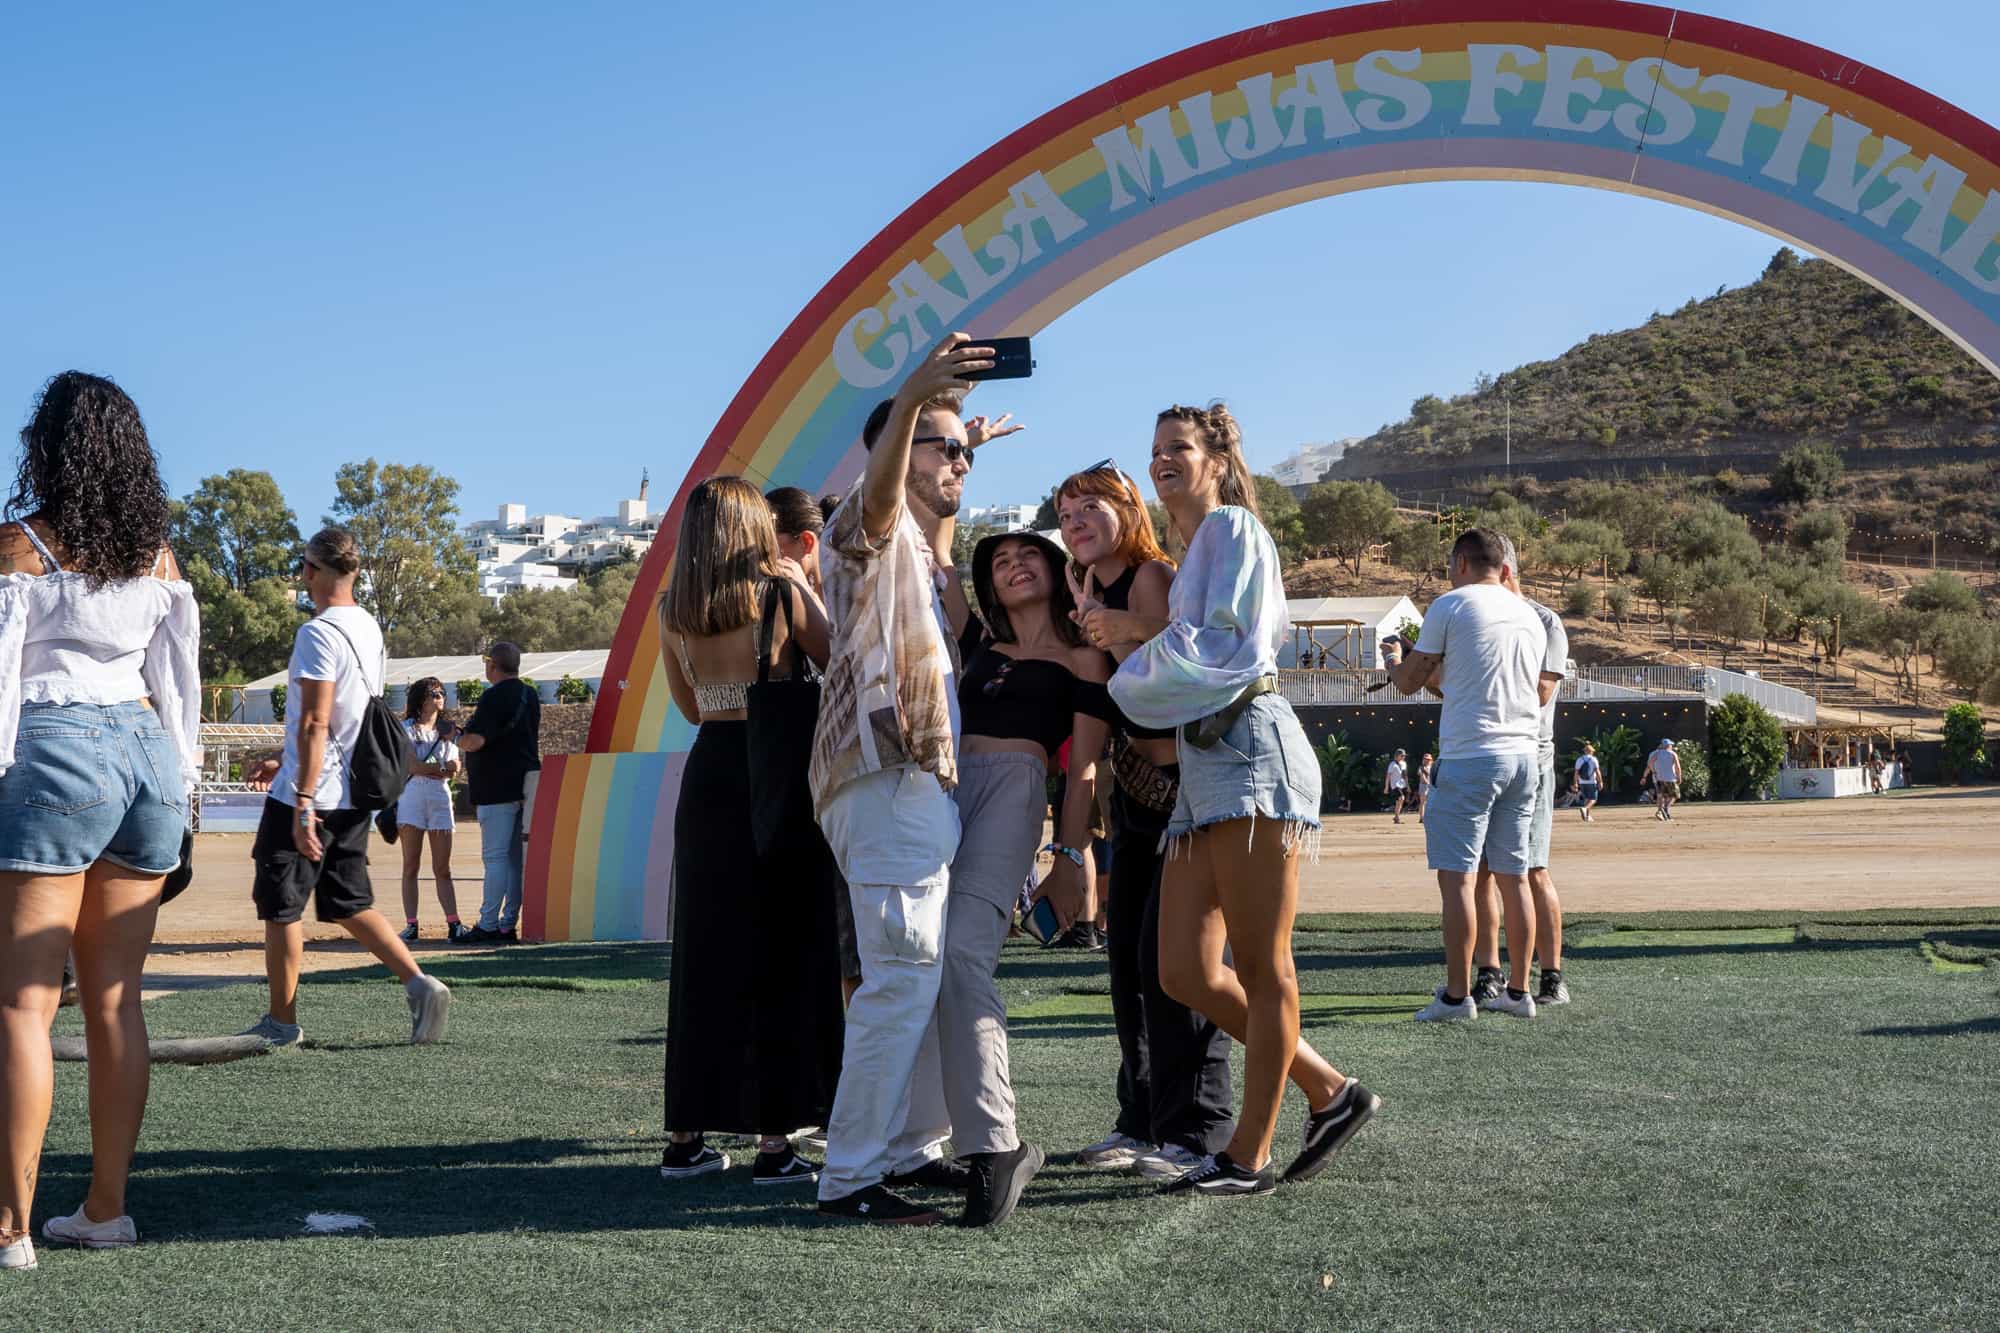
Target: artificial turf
(1746,1119)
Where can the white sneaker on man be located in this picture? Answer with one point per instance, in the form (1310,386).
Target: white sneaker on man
(1168,1162)
(1114,1152)
(76,1229)
(1438,1011)
(18,1254)
(1506,1003)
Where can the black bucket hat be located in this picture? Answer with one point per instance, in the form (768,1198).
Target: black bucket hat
(1061,602)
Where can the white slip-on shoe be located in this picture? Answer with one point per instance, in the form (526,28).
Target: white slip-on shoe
(1437,1011)
(430,1008)
(18,1254)
(78,1230)
(1506,1003)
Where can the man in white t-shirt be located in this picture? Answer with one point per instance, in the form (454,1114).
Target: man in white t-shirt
(1489,990)
(312,844)
(1487,648)
(1663,770)
(1396,782)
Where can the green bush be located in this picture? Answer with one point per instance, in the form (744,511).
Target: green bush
(1746,745)
(1964,743)
(1697,784)
(469,692)
(1580,599)
(278,696)
(570,690)
(1345,772)
(1619,600)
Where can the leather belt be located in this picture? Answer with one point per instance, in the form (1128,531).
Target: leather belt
(1204,732)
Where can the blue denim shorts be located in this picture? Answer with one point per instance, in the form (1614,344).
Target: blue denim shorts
(1262,766)
(92,782)
(1481,806)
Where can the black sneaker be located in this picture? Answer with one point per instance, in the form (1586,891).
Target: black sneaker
(783,1167)
(1221,1177)
(457,932)
(997,1181)
(878,1203)
(508,936)
(940,1173)
(682,1160)
(1328,1131)
(479,935)
(1554,990)
(1487,985)
(408,934)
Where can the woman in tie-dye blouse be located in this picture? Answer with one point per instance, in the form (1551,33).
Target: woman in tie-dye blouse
(1249,799)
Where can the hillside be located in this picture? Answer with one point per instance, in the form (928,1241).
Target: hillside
(1805,352)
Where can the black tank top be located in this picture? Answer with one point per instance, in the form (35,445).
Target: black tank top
(1117,595)
(1025,699)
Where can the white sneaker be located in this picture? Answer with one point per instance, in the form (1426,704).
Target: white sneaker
(1116,1151)
(1505,1003)
(1170,1162)
(812,1136)
(18,1254)
(76,1229)
(430,1008)
(1437,1011)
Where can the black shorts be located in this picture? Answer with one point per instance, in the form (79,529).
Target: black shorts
(337,885)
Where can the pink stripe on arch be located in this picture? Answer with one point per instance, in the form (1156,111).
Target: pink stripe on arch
(1977,328)
(657,874)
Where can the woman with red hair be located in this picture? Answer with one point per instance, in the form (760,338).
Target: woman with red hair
(1174,1092)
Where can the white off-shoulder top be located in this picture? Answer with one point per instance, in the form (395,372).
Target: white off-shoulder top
(62,642)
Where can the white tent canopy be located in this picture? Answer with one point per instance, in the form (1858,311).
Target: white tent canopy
(545,669)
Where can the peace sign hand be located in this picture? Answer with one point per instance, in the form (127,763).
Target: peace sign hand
(1084,590)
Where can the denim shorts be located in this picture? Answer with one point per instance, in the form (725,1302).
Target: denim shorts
(1481,806)
(92,782)
(1263,765)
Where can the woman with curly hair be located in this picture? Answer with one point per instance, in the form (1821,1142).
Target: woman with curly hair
(99,711)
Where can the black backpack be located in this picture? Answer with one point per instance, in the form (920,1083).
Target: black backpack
(378,767)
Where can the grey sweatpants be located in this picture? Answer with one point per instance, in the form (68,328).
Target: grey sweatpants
(1002,800)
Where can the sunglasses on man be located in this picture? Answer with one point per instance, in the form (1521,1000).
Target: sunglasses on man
(950,448)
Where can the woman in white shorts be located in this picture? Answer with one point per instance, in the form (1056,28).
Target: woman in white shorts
(424,811)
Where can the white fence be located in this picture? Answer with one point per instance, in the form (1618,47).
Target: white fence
(1595,683)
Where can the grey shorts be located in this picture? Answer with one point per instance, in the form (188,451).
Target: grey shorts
(1263,765)
(1544,818)
(1482,806)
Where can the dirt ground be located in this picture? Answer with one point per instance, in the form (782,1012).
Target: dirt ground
(1912,849)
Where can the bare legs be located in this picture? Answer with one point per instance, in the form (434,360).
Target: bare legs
(1237,884)
(1546,920)
(108,913)
(1455,894)
(284,953)
(412,839)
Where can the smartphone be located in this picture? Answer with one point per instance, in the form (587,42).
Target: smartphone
(1011,360)
(1040,922)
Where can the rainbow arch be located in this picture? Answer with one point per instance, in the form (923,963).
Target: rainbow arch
(1823,151)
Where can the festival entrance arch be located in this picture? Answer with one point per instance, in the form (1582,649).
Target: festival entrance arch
(1825,152)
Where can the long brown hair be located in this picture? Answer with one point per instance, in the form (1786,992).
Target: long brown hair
(1136,540)
(727,547)
(1221,435)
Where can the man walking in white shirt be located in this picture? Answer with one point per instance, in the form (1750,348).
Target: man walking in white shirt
(1663,770)
(1396,782)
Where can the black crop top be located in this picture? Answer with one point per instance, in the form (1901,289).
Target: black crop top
(1025,699)
(1117,595)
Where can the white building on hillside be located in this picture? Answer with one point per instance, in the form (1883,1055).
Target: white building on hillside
(518,550)
(1310,463)
(1013,518)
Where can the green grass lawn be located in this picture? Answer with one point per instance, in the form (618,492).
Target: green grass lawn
(1745,1120)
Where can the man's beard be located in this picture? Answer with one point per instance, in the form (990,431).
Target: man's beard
(930,494)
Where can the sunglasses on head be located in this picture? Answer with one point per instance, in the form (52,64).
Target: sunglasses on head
(950,448)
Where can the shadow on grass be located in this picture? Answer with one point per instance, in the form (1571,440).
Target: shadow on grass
(533,967)
(416,1191)
(1965,1027)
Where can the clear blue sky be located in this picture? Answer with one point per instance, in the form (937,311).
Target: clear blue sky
(526,243)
